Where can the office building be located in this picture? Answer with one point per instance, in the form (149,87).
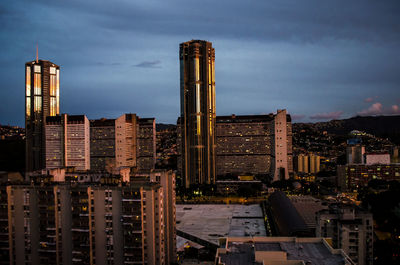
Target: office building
(42,99)
(351,230)
(67,142)
(60,223)
(355,154)
(352,176)
(279,250)
(245,145)
(146,144)
(128,141)
(197,120)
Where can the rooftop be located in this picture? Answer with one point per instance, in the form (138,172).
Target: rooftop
(280,250)
(220,220)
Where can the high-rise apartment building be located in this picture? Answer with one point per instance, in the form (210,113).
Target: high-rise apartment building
(244,144)
(197,89)
(67,142)
(282,163)
(42,99)
(146,144)
(308,163)
(351,230)
(60,223)
(167,181)
(128,141)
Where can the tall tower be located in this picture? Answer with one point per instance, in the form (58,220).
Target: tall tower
(197,59)
(42,99)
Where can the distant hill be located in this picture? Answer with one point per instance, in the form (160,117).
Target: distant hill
(381,126)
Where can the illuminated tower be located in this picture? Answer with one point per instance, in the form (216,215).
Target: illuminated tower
(197,121)
(42,99)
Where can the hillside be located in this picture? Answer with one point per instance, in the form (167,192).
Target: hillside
(381,126)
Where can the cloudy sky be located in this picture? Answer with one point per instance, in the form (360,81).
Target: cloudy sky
(318,59)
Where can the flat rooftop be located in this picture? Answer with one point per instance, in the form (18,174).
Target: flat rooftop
(212,221)
(312,250)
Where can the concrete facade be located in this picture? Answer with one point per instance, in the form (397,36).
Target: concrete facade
(67,142)
(350,229)
(86,224)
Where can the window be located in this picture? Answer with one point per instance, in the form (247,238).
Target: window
(37,104)
(28,81)
(37,69)
(37,84)
(28,107)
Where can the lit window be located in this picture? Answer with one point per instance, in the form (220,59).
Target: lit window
(28,106)
(37,79)
(28,81)
(37,104)
(37,68)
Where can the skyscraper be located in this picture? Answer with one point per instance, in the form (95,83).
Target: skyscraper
(197,121)
(42,99)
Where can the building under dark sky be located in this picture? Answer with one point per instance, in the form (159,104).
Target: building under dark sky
(42,99)
(197,81)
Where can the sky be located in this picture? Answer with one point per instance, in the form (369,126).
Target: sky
(318,59)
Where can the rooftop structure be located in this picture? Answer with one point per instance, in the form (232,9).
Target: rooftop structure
(279,251)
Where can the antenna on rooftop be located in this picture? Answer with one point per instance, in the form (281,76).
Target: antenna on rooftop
(37,53)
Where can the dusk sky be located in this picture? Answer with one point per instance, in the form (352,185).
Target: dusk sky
(318,59)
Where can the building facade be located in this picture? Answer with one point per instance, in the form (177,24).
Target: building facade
(146,144)
(197,120)
(67,142)
(350,229)
(245,145)
(358,175)
(308,163)
(42,99)
(61,223)
(128,141)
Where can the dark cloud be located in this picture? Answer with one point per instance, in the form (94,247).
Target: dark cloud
(149,64)
(309,56)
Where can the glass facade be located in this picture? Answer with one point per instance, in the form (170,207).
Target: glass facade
(41,101)
(197,112)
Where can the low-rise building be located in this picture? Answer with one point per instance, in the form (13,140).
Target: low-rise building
(279,250)
(353,176)
(351,230)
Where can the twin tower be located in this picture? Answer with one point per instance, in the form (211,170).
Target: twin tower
(209,146)
(198,118)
